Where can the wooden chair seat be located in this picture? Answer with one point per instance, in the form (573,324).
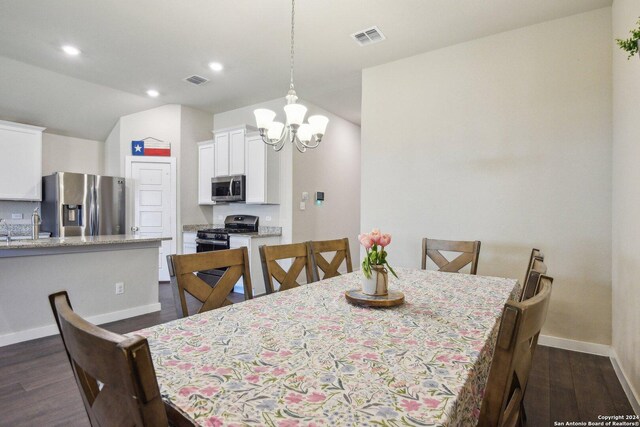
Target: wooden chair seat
(182,269)
(517,339)
(270,255)
(330,268)
(114,373)
(469,254)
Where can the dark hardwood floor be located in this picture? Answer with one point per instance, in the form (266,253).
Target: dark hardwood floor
(37,387)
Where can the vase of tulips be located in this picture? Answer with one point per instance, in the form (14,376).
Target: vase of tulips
(375,278)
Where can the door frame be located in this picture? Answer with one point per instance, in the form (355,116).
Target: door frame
(171,161)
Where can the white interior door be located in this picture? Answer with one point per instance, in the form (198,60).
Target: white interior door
(154,211)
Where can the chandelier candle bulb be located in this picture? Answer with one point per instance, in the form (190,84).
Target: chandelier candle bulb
(264,117)
(275,131)
(304,132)
(318,124)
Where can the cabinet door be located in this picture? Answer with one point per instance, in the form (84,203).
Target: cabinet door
(256,162)
(222,154)
(189,243)
(20,163)
(236,154)
(206,171)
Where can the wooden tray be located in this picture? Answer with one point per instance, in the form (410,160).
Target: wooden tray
(392,299)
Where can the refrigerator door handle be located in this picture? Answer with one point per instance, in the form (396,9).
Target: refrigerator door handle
(93,212)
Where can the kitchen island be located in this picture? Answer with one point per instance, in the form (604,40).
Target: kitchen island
(91,269)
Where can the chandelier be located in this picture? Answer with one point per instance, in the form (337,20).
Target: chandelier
(302,135)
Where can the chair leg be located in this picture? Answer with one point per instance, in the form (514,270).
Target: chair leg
(523,415)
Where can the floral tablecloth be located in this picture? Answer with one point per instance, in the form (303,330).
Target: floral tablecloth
(306,357)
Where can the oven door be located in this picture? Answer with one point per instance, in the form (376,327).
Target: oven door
(206,245)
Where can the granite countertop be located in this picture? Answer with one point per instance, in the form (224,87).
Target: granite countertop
(262,231)
(78,241)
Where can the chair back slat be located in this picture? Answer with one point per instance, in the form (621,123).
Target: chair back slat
(517,338)
(114,373)
(469,252)
(532,281)
(182,269)
(329,269)
(301,260)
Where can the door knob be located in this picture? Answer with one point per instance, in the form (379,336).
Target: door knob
(134,229)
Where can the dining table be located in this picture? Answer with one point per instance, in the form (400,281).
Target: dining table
(307,357)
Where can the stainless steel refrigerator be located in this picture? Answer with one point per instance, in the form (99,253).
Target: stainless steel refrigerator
(75,204)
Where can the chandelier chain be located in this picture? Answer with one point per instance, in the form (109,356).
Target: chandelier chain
(293,13)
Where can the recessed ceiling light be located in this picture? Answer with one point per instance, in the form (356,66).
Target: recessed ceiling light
(153,93)
(71,50)
(215,66)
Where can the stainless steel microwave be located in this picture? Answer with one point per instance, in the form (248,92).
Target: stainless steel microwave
(228,188)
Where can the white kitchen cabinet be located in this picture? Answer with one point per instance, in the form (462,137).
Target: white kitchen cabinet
(189,243)
(222,154)
(262,170)
(230,150)
(255,264)
(236,152)
(206,171)
(20,161)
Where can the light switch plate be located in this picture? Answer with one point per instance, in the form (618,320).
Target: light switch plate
(305,196)
(303,206)
(267,218)
(17,216)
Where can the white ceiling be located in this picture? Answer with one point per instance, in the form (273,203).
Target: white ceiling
(130,46)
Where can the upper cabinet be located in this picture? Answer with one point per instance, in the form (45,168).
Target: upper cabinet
(206,171)
(263,171)
(222,154)
(20,161)
(236,152)
(230,150)
(239,151)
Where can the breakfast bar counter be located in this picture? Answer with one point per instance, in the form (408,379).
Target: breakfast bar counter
(109,278)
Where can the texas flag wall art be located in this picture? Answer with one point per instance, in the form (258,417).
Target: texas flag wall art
(150,148)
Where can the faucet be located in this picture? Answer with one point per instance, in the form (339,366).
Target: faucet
(6,226)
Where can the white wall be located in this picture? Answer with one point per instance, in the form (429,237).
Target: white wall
(67,154)
(626,197)
(195,126)
(112,152)
(507,140)
(333,167)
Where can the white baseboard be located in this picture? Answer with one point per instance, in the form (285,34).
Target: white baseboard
(632,394)
(45,331)
(599,350)
(573,345)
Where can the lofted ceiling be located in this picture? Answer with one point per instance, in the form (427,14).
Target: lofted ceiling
(131,46)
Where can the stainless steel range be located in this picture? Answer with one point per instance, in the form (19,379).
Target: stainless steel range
(217,239)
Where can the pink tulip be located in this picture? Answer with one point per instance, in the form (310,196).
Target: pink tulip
(375,235)
(384,240)
(366,241)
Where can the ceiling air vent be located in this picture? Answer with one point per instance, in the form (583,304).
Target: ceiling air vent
(369,36)
(196,80)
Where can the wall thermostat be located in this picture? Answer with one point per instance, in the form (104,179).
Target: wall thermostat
(319,197)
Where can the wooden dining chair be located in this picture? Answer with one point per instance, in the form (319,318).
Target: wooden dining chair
(114,373)
(469,254)
(182,269)
(512,358)
(270,255)
(537,268)
(342,253)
